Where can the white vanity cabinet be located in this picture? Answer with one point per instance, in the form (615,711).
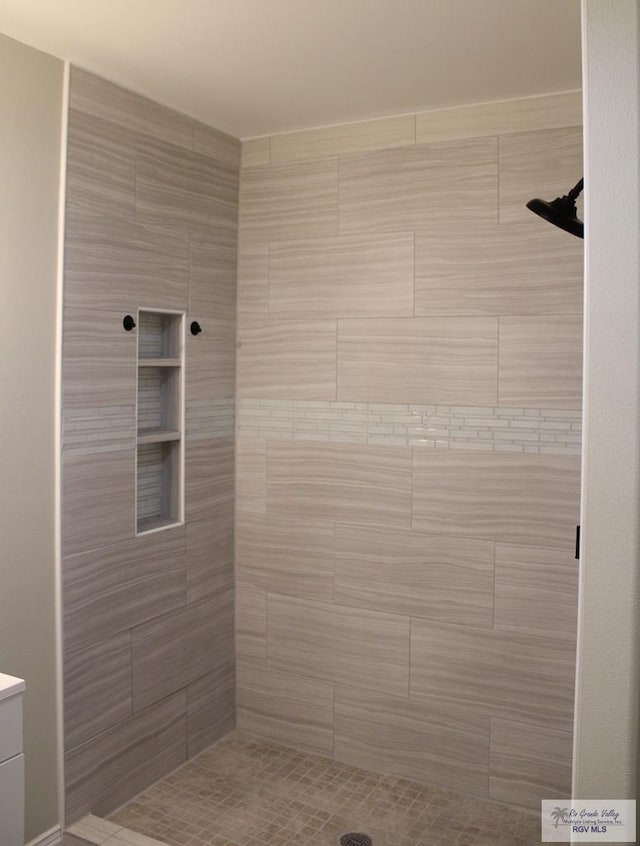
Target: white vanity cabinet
(11,762)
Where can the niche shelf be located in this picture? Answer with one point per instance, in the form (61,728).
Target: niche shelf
(160,420)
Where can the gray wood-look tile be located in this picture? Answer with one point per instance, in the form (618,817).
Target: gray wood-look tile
(185,192)
(283,201)
(251,624)
(97,500)
(99,359)
(348,483)
(345,276)
(502,674)
(253,284)
(97,97)
(528,763)
(279,555)
(546,163)
(400,190)
(405,572)
(101,166)
(210,554)
(143,747)
(211,707)
(292,360)
(380,133)
(211,360)
(501,496)
(536,590)
(341,644)
(178,648)
(450,360)
(117,264)
(212,286)
(491,269)
(97,687)
(286,708)
(541,361)
(217,145)
(114,588)
(251,475)
(209,477)
(425,740)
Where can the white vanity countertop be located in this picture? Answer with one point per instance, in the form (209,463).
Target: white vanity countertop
(9,686)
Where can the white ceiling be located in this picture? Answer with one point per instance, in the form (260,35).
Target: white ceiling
(254,67)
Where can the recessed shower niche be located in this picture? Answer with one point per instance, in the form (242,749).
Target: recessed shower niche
(160,420)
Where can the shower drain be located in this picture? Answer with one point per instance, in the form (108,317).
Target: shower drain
(355,838)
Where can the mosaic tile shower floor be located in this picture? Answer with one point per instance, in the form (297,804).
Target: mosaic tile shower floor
(244,791)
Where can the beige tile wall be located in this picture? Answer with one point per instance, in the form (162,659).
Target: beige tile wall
(408,440)
(149,665)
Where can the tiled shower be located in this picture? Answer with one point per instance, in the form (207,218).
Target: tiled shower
(399,540)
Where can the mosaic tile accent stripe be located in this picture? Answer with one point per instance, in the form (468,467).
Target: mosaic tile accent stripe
(489,428)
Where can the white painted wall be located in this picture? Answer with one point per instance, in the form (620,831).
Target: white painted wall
(606,732)
(30,125)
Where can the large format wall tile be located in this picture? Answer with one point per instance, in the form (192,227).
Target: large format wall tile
(212,279)
(490,268)
(541,361)
(383,133)
(98,360)
(256,151)
(348,483)
(291,557)
(528,762)
(545,164)
(211,361)
(185,191)
(290,709)
(428,741)
(536,590)
(346,276)
(217,145)
(502,496)
(419,360)
(502,674)
(108,770)
(340,644)
(251,475)
(210,554)
(209,477)
(293,360)
(290,201)
(404,572)
(114,588)
(251,625)
(121,265)
(211,707)
(402,189)
(96,96)
(500,117)
(97,688)
(97,500)
(253,284)
(101,166)
(173,651)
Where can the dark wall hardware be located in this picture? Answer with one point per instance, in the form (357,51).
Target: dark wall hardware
(577,541)
(128,322)
(562,211)
(195,328)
